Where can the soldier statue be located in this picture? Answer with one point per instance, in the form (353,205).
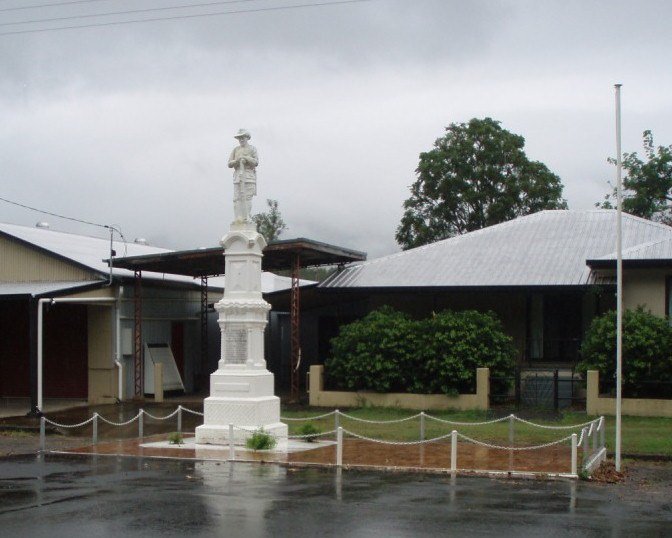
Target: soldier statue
(244,161)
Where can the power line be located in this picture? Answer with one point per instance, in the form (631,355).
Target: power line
(128,12)
(54,214)
(81,221)
(188,16)
(18,8)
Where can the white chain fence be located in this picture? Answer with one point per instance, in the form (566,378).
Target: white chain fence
(396,443)
(68,426)
(455,423)
(317,417)
(119,424)
(368,421)
(593,429)
(514,448)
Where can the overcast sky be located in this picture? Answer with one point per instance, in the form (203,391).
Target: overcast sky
(132,124)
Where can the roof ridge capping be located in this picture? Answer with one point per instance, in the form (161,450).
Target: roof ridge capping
(635,248)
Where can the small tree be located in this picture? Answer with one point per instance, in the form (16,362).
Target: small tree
(647,184)
(270,224)
(647,348)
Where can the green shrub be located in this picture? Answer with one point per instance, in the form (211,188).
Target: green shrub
(647,348)
(373,353)
(386,351)
(175,438)
(260,440)
(454,344)
(310,431)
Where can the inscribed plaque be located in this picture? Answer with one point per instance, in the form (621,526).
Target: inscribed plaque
(236,346)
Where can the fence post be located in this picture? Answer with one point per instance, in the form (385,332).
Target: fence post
(337,420)
(512,422)
(339,447)
(556,396)
(232,449)
(141,424)
(596,427)
(574,454)
(43,433)
(179,419)
(422,425)
(95,428)
(585,444)
(453,451)
(602,433)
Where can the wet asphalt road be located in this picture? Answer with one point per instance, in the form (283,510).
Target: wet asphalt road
(127,497)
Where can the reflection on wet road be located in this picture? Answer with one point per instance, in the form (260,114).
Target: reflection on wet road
(106,496)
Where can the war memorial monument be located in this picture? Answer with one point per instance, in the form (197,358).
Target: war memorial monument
(242,389)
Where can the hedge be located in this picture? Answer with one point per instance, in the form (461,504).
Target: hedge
(387,351)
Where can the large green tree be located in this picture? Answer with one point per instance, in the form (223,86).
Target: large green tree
(476,175)
(647,184)
(270,224)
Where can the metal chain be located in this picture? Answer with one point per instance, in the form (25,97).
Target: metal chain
(590,430)
(310,418)
(112,423)
(455,423)
(393,421)
(404,443)
(162,418)
(69,425)
(191,411)
(517,448)
(544,427)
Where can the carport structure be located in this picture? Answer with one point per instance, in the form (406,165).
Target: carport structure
(289,254)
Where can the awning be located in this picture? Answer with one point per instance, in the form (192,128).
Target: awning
(278,255)
(12,290)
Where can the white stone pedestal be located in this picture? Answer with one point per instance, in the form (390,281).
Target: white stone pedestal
(241,390)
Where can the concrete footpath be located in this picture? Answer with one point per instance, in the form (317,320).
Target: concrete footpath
(56,496)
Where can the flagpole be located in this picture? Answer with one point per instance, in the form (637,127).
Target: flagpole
(619,277)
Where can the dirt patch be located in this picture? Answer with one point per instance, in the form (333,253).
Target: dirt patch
(607,473)
(648,483)
(17,442)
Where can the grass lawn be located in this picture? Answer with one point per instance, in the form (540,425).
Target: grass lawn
(641,435)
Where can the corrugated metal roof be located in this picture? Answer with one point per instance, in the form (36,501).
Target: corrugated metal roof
(549,248)
(91,251)
(41,288)
(81,249)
